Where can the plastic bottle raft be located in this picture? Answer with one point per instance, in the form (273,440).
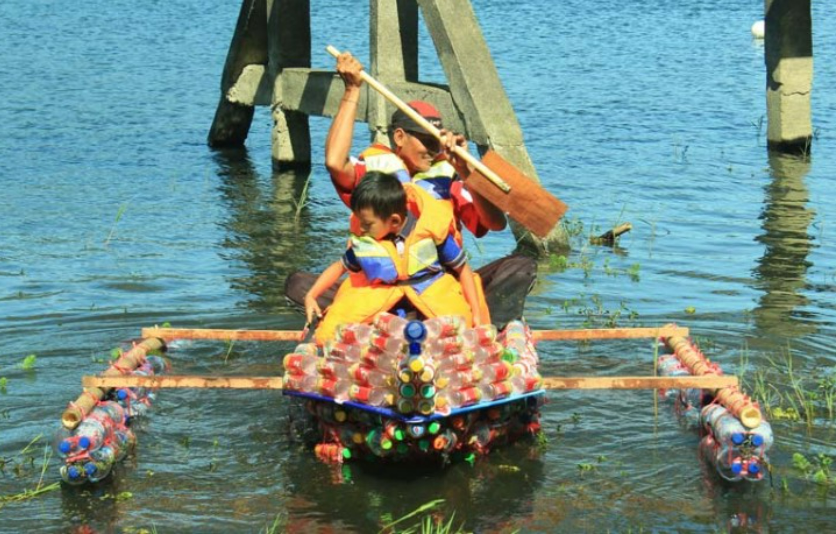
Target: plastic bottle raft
(735,439)
(102,437)
(402,390)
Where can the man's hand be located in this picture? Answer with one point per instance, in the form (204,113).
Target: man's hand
(311,308)
(449,141)
(349,68)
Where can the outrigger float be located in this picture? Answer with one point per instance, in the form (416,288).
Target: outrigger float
(400,391)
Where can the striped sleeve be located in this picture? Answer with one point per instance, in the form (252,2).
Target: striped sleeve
(450,254)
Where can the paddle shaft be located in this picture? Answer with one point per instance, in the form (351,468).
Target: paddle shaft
(425,124)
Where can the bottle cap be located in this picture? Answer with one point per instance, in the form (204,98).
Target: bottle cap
(90,468)
(84,442)
(73,472)
(434,427)
(415,331)
(757,440)
(414,348)
(346,454)
(736,467)
(122,394)
(754,468)
(407,390)
(405,406)
(427,391)
(65,446)
(738,438)
(416,363)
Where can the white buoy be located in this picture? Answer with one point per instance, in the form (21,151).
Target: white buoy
(758,29)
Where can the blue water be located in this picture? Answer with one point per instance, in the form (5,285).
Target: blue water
(114,215)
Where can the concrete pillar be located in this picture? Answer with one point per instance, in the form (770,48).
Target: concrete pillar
(479,95)
(393,44)
(788,46)
(289,46)
(248,47)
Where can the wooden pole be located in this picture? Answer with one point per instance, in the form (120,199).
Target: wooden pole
(296,335)
(129,361)
(274,382)
(735,401)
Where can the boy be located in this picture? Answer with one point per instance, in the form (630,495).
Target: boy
(402,240)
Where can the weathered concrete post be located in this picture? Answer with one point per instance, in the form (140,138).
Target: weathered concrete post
(479,95)
(393,44)
(788,46)
(248,47)
(288,46)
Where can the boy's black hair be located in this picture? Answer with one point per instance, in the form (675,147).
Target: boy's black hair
(382,193)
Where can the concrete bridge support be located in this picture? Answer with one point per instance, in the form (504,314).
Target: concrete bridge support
(789,74)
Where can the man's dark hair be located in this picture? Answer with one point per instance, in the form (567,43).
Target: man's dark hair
(382,193)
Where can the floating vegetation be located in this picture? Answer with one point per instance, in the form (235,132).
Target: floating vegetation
(428,524)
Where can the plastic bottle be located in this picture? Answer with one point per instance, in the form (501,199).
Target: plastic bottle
(73,474)
(90,434)
(334,369)
(442,346)
(405,405)
(447,400)
(426,375)
(461,360)
(443,326)
(459,379)
(370,376)
(425,406)
(481,436)
(386,343)
(486,353)
(445,441)
(329,413)
(101,462)
(496,371)
(298,363)
(407,390)
(343,352)
(337,389)
(394,431)
(728,430)
(415,332)
(297,382)
(524,384)
(385,361)
(354,333)
(496,390)
(372,395)
(125,442)
(379,443)
(416,363)
(306,348)
(481,335)
(392,325)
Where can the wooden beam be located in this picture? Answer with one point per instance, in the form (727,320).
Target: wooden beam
(224,335)
(640,382)
(275,382)
(608,333)
(184,381)
(296,335)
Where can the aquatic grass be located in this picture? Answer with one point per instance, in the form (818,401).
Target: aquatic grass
(39,489)
(303,200)
(119,213)
(429,524)
(3,383)
(29,362)
(278,525)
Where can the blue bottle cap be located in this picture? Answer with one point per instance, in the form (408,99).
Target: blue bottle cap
(757,440)
(414,349)
(754,468)
(415,331)
(122,394)
(736,468)
(90,468)
(73,472)
(65,446)
(738,438)
(84,442)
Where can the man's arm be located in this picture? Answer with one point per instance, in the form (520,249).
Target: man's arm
(338,141)
(491,217)
(328,278)
(469,289)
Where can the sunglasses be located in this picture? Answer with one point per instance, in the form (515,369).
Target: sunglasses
(430,143)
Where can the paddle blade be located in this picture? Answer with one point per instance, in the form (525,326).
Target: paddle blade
(527,202)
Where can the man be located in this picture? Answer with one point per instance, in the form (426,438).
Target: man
(416,156)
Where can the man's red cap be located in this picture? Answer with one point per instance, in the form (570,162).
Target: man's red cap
(425,109)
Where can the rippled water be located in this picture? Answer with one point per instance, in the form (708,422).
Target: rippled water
(115,215)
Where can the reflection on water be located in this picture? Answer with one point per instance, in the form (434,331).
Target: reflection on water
(268,233)
(782,271)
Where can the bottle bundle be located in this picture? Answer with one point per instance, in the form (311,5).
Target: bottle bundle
(737,453)
(103,436)
(350,433)
(137,401)
(100,440)
(358,365)
(688,402)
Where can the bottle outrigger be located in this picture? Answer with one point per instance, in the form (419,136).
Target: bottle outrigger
(446,396)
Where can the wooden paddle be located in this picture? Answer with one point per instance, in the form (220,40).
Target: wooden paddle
(522,198)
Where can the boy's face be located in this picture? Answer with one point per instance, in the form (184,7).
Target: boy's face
(375,227)
(416,150)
